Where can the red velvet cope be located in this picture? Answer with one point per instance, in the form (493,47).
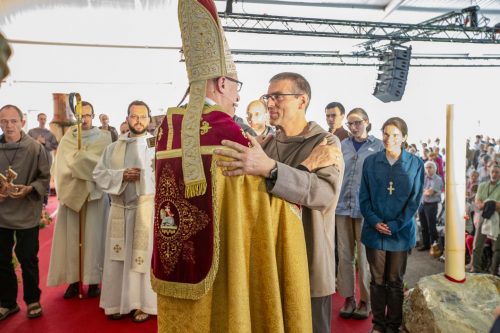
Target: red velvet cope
(183,252)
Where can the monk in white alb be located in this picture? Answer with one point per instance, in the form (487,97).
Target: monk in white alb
(77,191)
(125,172)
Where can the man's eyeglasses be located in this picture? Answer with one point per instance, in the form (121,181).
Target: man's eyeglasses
(239,83)
(276,97)
(356,123)
(87,116)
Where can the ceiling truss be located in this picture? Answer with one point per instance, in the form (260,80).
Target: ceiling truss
(445,28)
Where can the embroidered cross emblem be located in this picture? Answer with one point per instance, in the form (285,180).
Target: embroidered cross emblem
(390,188)
(139,261)
(117,248)
(205,126)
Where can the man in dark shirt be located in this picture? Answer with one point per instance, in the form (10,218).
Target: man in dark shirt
(335,114)
(104,119)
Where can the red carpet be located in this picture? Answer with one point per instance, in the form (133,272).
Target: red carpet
(75,315)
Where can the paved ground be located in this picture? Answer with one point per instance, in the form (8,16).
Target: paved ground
(420,264)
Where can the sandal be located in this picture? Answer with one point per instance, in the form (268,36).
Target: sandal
(34,310)
(5,312)
(139,316)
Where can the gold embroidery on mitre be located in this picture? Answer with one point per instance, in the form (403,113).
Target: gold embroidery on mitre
(205,126)
(207,56)
(203,43)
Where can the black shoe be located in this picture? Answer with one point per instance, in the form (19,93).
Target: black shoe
(72,291)
(423,248)
(93,291)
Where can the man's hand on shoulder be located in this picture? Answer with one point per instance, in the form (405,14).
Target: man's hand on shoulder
(322,156)
(247,160)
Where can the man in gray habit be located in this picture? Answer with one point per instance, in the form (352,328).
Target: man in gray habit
(24,177)
(302,164)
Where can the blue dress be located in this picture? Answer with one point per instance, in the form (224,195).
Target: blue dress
(391,194)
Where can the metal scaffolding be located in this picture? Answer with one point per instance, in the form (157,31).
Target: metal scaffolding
(328,58)
(445,28)
(459,26)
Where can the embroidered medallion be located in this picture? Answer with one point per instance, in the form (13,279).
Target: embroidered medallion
(167,224)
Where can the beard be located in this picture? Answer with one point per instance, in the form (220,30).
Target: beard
(136,132)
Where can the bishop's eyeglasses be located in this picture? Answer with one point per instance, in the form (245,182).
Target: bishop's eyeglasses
(239,83)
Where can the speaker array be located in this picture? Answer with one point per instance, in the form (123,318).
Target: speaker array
(392,74)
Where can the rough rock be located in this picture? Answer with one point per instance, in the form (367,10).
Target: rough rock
(437,305)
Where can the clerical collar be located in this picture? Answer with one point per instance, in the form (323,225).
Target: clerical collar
(209,101)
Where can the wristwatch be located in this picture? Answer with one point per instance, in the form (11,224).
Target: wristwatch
(273,175)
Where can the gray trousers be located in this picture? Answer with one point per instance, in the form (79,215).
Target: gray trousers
(321,314)
(348,231)
(478,247)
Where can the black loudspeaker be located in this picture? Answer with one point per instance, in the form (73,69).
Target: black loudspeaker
(392,74)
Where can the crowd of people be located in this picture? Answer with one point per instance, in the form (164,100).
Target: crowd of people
(105,191)
(217,225)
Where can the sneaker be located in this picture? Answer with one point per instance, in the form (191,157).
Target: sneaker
(348,309)
(435,251)
(362,311)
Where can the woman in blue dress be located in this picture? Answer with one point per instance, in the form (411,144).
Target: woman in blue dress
(390,193)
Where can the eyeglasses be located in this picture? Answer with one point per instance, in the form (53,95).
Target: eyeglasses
(356,123)
(239,83)
(136,117)
(276,97)
(87,116)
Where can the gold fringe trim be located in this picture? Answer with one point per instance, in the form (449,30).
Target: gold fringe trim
(198,290)
(195,189)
